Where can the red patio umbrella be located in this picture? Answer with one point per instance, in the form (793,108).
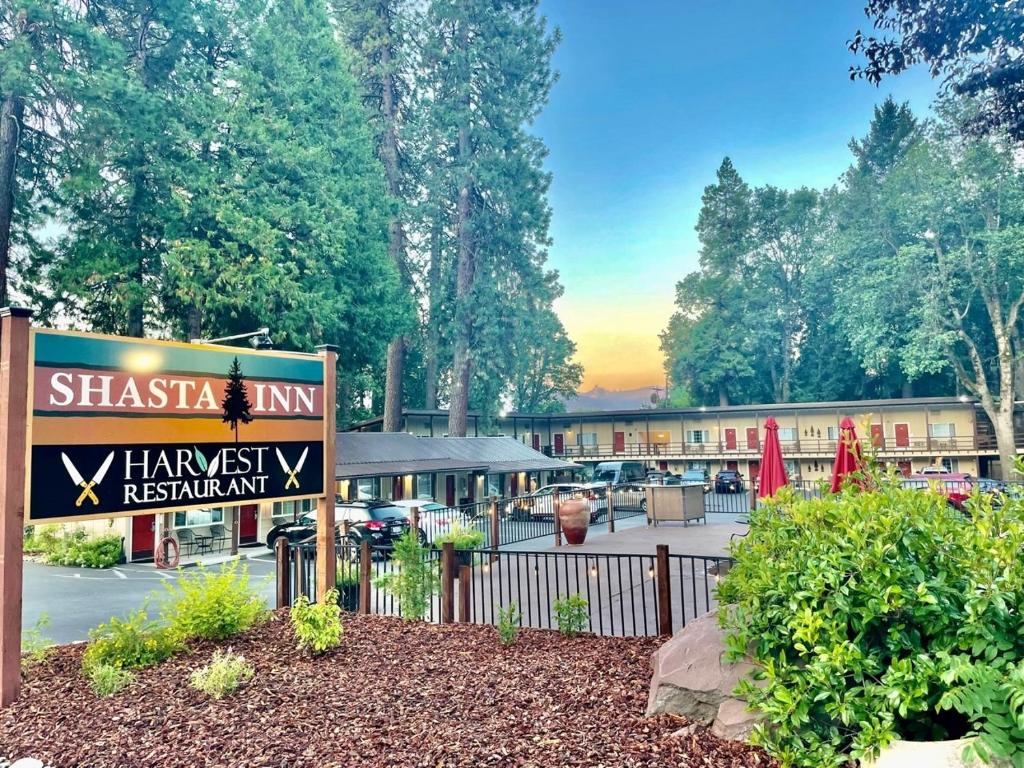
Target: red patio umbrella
(848,454)
(772,474)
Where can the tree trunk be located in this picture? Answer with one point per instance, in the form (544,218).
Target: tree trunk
(907,388)
(392,421)
(723,396)
(433,340)
(459,406)
(396,237)
(194,321)
(1002,422)
(11,114)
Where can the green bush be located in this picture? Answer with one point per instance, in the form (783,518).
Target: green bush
(129,643)
(34,646)
(571,615)
(108,680)
(508,624)
(414,579)
(212,605)
(75,548)
(317,625)
(461,536)
(225,672)
(347,573)
(881,615)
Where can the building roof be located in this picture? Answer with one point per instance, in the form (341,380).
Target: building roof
(723,410)
(377,454)
(502,454)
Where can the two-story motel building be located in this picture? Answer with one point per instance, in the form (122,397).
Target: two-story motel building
(908,433)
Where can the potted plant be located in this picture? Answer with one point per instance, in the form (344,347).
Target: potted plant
(346,581)
(465,541)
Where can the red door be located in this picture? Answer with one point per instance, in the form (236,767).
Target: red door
(752,443)
(902,435)
(247,524)
(904,466)
(513,484)
(142,536)
(449,490)
(536,442)
(663,466)
(753,469)
(559,444)
(619,442)
(877,436)
(734,465)
(730,439)
(396,488)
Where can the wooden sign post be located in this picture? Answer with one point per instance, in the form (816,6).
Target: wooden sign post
(326,554)
(14,324)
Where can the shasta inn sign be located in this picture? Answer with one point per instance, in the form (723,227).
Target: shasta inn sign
(125,426)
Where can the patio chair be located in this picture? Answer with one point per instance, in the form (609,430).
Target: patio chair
(220,536)
(186,541)
(204,540)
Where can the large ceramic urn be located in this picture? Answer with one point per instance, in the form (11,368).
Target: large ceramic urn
(574,517)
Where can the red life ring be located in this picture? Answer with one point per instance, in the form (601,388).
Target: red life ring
(168,542)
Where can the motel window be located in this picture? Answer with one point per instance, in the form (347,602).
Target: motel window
(425,486)
(792,469)
(698,465)
(293,508)
(942,430)
(833,433)
(493,485)
(365,488)
(787,434)
(587,438)
(698,436)
(199,517)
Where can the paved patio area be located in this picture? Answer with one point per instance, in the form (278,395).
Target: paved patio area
(709,540)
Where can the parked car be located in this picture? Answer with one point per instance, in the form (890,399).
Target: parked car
(699,477)
(379,522)
(540,504)
(434,518)
(618,472)
(957,487)
(729,481)
(662,478)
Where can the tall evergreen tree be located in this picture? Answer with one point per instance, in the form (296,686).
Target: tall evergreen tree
(236,405)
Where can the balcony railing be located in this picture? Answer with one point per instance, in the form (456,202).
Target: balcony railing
(817,446)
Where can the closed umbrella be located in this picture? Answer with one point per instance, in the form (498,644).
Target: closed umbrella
(848,454)
(772,474)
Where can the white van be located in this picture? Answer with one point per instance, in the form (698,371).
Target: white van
(618,472)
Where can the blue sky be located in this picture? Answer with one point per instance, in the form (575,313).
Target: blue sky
(651,96)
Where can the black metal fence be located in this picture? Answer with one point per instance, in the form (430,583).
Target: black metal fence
(626,594)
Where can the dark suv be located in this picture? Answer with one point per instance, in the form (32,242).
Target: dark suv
(729,481)
(379,522)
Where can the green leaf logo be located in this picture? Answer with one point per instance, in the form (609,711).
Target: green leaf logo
(200,459)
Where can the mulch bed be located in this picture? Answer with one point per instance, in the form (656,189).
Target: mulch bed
(394,694)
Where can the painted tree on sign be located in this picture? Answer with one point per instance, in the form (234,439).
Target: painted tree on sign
(236,403)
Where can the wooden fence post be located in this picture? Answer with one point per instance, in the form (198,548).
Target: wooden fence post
(364,577)
(301,587)
(495,527)
(447,582)
(414,519)
(664,591)
(326,550)
(465,574)
(611,510)
(284,598)
(14,416)
(558,524)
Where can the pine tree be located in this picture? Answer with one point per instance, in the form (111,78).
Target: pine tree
(236,403)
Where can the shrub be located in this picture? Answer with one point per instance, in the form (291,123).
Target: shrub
(571,615)
(880,615)
(225,672)
(75,548)
(34,647)
(461,536)
(414,580)
(347,573)
(107,680)
(317,625)
(212,605)
(128,643)
(508,624)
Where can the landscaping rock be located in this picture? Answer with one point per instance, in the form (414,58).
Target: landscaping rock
(691,679)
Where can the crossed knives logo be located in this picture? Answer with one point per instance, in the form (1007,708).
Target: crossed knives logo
(292,473)
(87,487)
